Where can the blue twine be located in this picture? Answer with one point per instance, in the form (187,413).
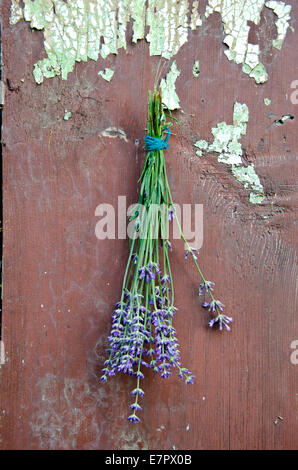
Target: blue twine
(154,143)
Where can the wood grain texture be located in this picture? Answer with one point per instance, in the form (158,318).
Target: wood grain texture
(60,281)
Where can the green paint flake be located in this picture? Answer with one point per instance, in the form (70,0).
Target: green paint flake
(196,69)
(169,96)
(195,19)
(248,177)
(45,69)
(267,101)
(259,73)
(16,12)
(282,11)
(168,22)
(67,115)
(201,144)
(107,74)
(227,144)
(227,136)
(236,16)
(138,14)
(256,198)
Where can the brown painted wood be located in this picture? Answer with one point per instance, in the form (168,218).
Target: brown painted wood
(60,282)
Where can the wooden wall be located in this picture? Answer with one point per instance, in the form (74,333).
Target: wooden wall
(60,281)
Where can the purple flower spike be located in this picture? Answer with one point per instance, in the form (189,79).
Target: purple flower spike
(206,287)
(171,213)
(133,418)
(192,251)
(169,245)
(137,391)
(189,379)
(135,406)
(165,279)
(214,305)
(165,374)
(222,320)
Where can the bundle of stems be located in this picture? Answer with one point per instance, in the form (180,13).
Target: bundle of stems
(142,333)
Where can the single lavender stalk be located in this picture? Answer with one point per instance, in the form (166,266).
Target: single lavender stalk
(142,333)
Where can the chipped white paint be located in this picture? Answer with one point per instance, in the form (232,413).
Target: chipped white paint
(2,353)
(78,30)
(248,177)
(227,144)
(196,68)
(16,12)
(195,19)
(168,22)
(67,115)
(107,74)
(235,16)
(161,428)
(169,96)
(113,133)
(282,12)
(267,101)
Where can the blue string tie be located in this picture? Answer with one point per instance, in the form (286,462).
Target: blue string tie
(154,143)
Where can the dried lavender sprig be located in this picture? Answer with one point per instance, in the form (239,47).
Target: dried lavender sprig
(220,318)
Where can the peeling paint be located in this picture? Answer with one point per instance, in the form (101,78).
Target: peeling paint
(236,15)
(16,12)
(248,177)
(282,120)
(67,115)
(168,22)
(195,19)
(256,198)
(169,96)
(196,68)
(107,74)
(282,11)
(113,133)
(227,144)
(78,30)
(267,101)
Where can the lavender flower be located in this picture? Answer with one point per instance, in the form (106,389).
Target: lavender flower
(133,418)
(138,391)
(165,279)
(191,251)
(222,320)
(213,306)
(169,244)
(206,287)
(135,406)
(171,213)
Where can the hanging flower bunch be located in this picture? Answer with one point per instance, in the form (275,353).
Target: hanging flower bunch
(142,333)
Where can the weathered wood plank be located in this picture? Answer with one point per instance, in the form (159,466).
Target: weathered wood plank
(60,282)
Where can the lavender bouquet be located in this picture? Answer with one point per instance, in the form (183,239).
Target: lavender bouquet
(142,333)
